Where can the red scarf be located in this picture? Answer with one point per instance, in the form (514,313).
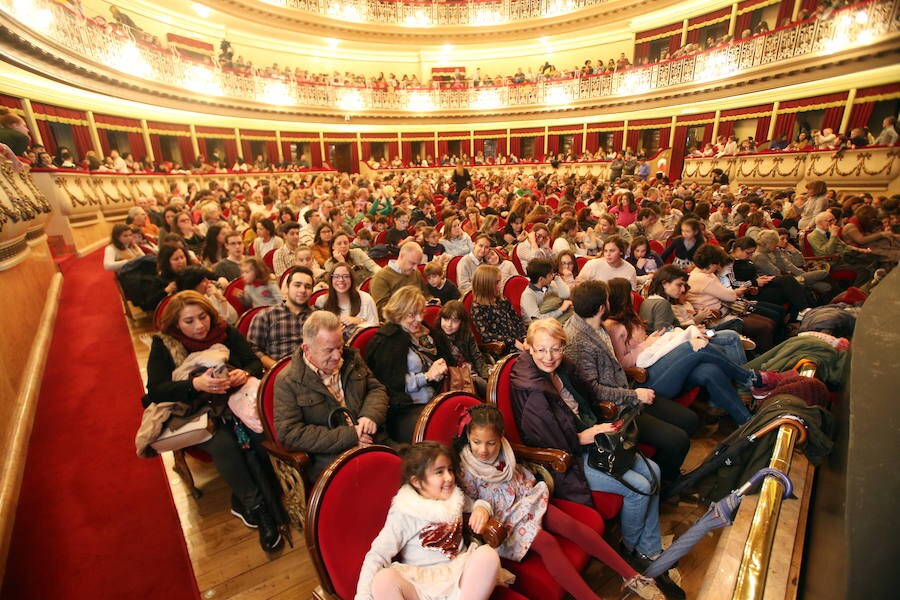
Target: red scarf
(216,335)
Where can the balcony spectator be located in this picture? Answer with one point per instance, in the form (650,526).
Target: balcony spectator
(123,19)
(888,135)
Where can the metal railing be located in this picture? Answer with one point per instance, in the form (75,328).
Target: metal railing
(852,27)
(410,13)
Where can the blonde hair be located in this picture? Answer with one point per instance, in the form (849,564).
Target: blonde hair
(551,327)
(406,300)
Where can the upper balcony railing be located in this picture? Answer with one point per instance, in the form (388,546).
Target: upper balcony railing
(855,26)
(423,13)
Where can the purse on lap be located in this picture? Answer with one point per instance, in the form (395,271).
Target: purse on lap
(195,431)
(615,453)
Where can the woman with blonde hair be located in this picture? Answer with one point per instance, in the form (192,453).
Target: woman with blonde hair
(404,339)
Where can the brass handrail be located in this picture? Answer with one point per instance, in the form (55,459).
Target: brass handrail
(751,580)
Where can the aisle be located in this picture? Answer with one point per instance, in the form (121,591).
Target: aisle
(94,521)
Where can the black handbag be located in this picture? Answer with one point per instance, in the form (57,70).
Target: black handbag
(615,453)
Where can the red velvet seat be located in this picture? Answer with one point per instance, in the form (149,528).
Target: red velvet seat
(582,260)
(499,393)
(315,296)
(430,317)
(347,509)
(513,289)
(656,246)
(842,275)
(245,320)
(231,295)
(439,421)
(364,286)
(289,466)
(157,313)
(361,338)
(268,260)
(451,268)
(514,256)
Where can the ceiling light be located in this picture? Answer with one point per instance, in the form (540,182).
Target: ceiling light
(201,10)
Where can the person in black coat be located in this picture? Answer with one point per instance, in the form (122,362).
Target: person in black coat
(461,179)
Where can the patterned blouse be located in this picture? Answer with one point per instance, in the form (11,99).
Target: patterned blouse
(498,322)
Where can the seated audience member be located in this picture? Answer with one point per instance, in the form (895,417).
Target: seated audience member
(865,229)
(826,240)
(398,273)
(773,289)
(214,245)
(260,287)
(361,266)
(664,424)
(647,218)
(285,257)
(229,268)
(607,228)
(324,376)
(188,232)
(137,217)
(190,325)
(431,245)
(769,261)
(684,246)
(354,308)
(121,249)
(403,357)
(321,248)
(437,285)
(536,245)
(277,331)
(456,344)
(555,408)
(456,242)
(266,240)
(815,201)
(172,258)
(507,269)
(611,264)
(398,232)
(201,280)
(644,260)
(493,315)
(566,267)
(544,298)
(466,266)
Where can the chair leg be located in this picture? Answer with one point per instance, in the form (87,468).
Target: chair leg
(125,303)
(294,489)
(184,472)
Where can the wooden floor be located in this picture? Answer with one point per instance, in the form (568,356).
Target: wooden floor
(229,563)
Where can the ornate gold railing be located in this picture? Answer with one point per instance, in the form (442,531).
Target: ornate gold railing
(421,13)
(858,25)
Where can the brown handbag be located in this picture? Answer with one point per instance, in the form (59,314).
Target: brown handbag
(459,379)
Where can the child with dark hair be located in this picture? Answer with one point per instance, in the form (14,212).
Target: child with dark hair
(456,344)
(489,473)
(260,287)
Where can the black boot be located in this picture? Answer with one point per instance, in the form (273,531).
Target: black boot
(269,535)
(246,516)
(669,587)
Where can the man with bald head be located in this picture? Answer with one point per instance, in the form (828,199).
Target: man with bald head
(398,273)
(825,240)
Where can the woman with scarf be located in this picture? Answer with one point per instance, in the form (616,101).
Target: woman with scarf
(190,327)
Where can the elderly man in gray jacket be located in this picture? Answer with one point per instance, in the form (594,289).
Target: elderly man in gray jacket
(325,376)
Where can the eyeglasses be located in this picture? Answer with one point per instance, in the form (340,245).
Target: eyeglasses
(554,351)
(340,276)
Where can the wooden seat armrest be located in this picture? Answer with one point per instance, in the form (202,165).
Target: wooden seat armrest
(558,460)
(607,409)
(495,532)
(298,460)
(636,374)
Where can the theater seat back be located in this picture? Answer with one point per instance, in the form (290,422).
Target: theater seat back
(440,419)
(500,394)
(265,398)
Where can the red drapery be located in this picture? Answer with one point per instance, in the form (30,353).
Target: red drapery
(762,129)
(784,125)
(676,163)
(137,145)
(552,144)
(675,43)
(272,151)
(664,137)
(479,146)
(201,147)
(47,136)
(860,115)
(443,147)
(286,150)
(726,128)
(538,147)
(247,150)
(631,141)
(104,141)
(82,136)
(315,154)
(515,146)
(231,152)
(186,148)
(693,36)
(809,5)
(785,11)
(501,146)
(577,143)
(641,51)
(407,152)
(157,148)
(742,24)
(593,141)
(832,118)
(618,136)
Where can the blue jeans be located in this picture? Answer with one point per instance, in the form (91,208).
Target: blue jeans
(640,514)
(708,368)
(729,342)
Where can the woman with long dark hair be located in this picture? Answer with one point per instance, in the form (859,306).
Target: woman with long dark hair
(355,308)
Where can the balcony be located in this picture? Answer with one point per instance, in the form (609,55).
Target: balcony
(862,32)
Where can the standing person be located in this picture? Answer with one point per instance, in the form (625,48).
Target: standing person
(189,325)
(323,376)
(555,408)
(461,180)
(488,472)
(428,501)
(405,342)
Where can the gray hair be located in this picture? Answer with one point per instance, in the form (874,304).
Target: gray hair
(767,239)
(317,321)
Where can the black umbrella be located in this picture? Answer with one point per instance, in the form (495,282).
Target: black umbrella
(720,514)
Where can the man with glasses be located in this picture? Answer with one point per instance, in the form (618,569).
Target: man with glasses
(537,245)
(229,268)
(277,331)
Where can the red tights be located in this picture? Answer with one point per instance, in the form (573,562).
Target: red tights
(559,567)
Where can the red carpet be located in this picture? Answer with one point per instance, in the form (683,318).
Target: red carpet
(94,520)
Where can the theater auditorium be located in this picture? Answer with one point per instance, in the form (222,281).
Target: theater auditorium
(404,299)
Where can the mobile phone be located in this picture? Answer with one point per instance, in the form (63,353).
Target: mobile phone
(710,333)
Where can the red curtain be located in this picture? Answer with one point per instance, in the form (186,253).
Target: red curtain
(552,144)
(82,136)
(393,148)
(104,141)
(231,152)
(137,145)
(367,150)
(809,5)
(157,148)
(47,135)
(618,136)
(354,156)
(577,143)
(860,115)
(743,22)
(693,35)
(726,128)
(631,141)
(407,152)
(539,147)
(247,150)
(664,137)
(785,11)
(315,154)
(676,163)
(832,118)
(186,149)
(762,129)
(515,146)
(201,147)
(784,125)
(465,146)
(675,41)
(593,141)
(641,51)
(272,151)
(443,147)
(479,146)
(286,150)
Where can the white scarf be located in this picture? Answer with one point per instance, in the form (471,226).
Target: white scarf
(500,470)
